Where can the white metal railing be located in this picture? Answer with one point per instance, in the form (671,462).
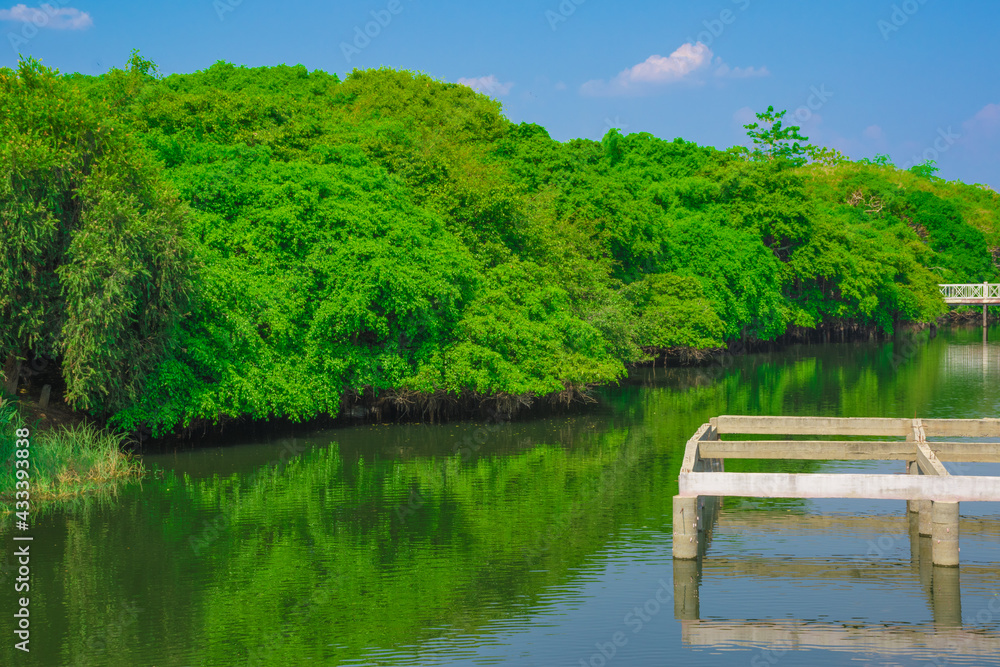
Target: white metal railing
(970,291)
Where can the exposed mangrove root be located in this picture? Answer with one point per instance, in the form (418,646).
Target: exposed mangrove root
(408,405)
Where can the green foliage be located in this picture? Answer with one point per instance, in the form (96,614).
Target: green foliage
(93,269)
(674,313)
(829,157)
(775,141)
(65,462)
(927,169)
(880,160)
(963,252)
(611,143)
(739,274)
(396,236)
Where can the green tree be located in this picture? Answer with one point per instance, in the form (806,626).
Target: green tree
(775,141)
(93,270)
(927,169)
(395,236)
(880,160)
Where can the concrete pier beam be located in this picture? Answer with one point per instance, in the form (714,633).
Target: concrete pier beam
(944,534)
(702,480)
(685,529)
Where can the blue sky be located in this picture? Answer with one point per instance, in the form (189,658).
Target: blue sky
(914,79)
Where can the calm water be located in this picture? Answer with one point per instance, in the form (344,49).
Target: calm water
(542,542)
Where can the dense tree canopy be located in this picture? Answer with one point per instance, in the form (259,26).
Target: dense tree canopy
(395,236)
(93,266)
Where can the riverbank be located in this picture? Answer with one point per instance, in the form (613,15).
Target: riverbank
(398,405)
(67,460)
(401,406)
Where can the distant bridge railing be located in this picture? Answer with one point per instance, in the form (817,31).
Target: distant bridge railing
(974,293)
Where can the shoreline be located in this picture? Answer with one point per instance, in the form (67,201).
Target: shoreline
(358,408)
(401,406)
(67,461)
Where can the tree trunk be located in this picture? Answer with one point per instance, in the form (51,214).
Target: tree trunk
(11,371)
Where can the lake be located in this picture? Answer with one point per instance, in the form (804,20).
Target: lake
(543,541)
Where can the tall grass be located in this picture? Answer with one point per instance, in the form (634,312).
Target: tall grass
(65,462)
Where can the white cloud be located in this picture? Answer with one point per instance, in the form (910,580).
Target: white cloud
(984,126)
(744,116)
(560,86)
(654,70)
(657,69)
(47,16)
(807,122)
(684,64)
(488,85)
(874,132)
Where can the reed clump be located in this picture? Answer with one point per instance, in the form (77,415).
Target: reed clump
(66,461)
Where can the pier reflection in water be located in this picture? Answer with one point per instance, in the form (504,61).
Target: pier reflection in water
(941,587)
(972,359)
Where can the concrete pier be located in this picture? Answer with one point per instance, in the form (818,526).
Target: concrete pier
(686,527)
(944,534)
(932,494)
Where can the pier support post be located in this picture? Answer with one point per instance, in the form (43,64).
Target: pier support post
(687,579)
(944,535)
(946,597)
(925,548)
(921,507)
(925,509)
(912,469)
(686,527)
(914,532)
